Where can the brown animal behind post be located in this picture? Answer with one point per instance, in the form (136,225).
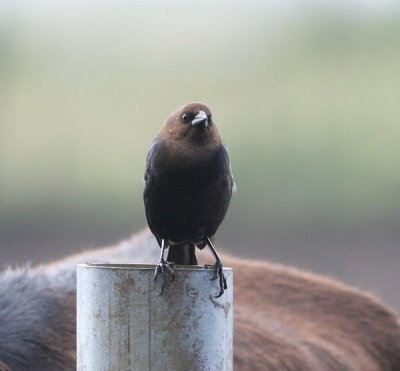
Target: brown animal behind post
(298,321)
(285,319)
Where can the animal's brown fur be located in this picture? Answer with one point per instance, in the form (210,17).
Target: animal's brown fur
(285,319)
(313,323)
(3,367)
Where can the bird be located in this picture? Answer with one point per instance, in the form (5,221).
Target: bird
(188,184)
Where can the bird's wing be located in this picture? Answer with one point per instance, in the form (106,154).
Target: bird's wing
(149,160)
(233,183)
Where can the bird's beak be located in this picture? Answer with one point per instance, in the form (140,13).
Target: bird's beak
(200,118)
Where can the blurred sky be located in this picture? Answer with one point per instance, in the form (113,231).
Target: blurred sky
(305,95)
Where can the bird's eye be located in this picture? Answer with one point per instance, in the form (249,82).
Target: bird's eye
(185,117)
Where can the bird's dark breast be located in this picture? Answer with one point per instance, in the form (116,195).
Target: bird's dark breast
(187,200)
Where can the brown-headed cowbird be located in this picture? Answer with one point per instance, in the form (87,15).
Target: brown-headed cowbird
(188,187)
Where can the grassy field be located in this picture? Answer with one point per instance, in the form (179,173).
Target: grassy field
(308,106)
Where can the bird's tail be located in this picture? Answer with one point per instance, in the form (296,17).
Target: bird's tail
(182,254)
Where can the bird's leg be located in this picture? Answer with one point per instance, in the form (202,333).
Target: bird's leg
(163,267)
(218,270)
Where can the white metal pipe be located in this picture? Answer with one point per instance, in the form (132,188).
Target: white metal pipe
(124,324)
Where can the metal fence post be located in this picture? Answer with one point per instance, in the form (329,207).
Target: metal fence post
(124,324)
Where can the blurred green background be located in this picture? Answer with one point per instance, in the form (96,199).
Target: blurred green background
(305,95)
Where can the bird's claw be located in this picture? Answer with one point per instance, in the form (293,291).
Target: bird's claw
(162,269)
(219,273)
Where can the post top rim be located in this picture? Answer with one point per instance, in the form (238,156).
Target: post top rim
(149,267)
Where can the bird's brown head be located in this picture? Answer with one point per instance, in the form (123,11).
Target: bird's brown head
(192,123)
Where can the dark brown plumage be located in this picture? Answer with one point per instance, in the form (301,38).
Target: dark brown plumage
(188,187)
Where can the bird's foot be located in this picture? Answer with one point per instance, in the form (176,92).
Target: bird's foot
(162,269)
(219,273)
